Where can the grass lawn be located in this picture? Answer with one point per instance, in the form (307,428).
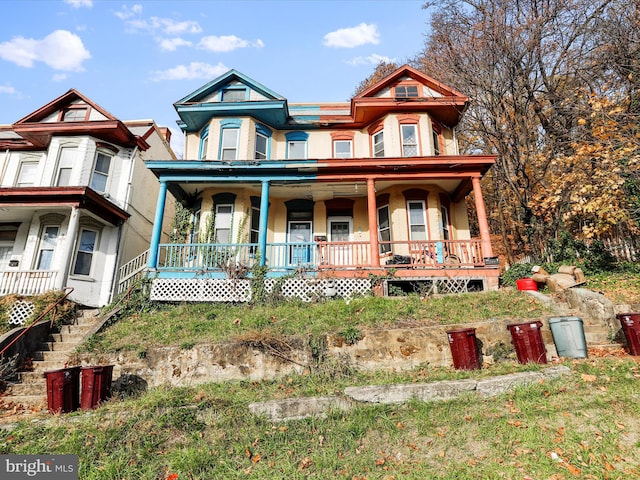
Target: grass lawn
(149,326)
(580,426)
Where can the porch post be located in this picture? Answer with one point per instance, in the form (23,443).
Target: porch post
(482,217)
(262,225)
(67,249)
(373,223)
(152,263)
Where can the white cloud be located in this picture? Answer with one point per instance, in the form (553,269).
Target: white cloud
(166,26)
(8,90)
(195,70)
(353,36)
(127,12)
(80,3)
(373,59)
(226,43)
(61,50)
(171,44)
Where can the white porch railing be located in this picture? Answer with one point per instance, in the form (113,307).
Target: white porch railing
(132,270)
(29,282)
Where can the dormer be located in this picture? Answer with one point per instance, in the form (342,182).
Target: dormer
(73,114)
(231,95)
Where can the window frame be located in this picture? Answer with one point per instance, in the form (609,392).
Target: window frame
(403,138)
(20,172)
(217,228)
(406,91)
(90,253)
(60,167)
(204,143)
(72,111)
(233,90)
(384,248)
(297,138)
(377,153)
(95,173)
(348,154)
(42,242)
(410,224)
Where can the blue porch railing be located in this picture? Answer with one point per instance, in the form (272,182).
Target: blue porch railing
(280,258)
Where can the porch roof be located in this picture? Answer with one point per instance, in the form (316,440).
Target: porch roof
(81,197)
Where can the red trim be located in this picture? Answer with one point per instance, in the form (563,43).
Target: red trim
(81,197)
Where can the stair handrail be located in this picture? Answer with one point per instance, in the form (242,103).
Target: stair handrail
(40,317)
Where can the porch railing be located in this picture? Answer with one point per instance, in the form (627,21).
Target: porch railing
(322,255)
(28,282)
(131,270)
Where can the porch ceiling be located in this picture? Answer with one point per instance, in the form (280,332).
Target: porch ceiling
(317,191)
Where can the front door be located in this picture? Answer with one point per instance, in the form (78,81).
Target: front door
(300,241)
(340,230)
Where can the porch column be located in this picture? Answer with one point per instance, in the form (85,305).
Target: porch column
(373,223)
(482,218)
(262,225)
(67,248)
(152,263)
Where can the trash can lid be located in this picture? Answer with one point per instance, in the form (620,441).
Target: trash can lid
(462,330)
(564,319)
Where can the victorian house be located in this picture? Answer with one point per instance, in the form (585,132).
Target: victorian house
(76,200)
(332,199)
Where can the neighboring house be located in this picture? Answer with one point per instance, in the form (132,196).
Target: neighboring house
(76,200)
(346,195)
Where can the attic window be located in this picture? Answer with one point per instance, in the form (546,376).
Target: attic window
(74,114)
(234,94)
(406,91)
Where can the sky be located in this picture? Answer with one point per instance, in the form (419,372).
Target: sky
(136,59)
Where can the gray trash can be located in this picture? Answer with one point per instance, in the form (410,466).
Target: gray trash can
(568,336)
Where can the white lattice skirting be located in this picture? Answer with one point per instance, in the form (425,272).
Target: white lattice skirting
(227,290)
(20,312)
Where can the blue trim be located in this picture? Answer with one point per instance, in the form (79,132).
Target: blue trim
(293,136)
(262,226)
(152,262)
(262,130)
(231,122)
(204,135)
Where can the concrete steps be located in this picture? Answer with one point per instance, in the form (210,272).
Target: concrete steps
(30,388)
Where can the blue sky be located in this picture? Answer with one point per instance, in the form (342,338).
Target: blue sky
(135,59)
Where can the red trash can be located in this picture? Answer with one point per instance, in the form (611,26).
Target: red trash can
(96,385)
(527,340)
(527,283)
(464,349)
(631,327)
(63,389)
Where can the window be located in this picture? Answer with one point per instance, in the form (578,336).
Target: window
(436,142)
(195,226)
(378,144)
(101,172)
(74,114)
(417,220)
(254,227)
(445,223)
(229,144)
(27,174)
(297,149)
(409,140)
(84,254)
(297,145)
(406,91)
(48,242)
(234,94)
(8,233)
(65,166)
(384,229)
(261,146)
(342,149)
(222,225)
(204,143)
